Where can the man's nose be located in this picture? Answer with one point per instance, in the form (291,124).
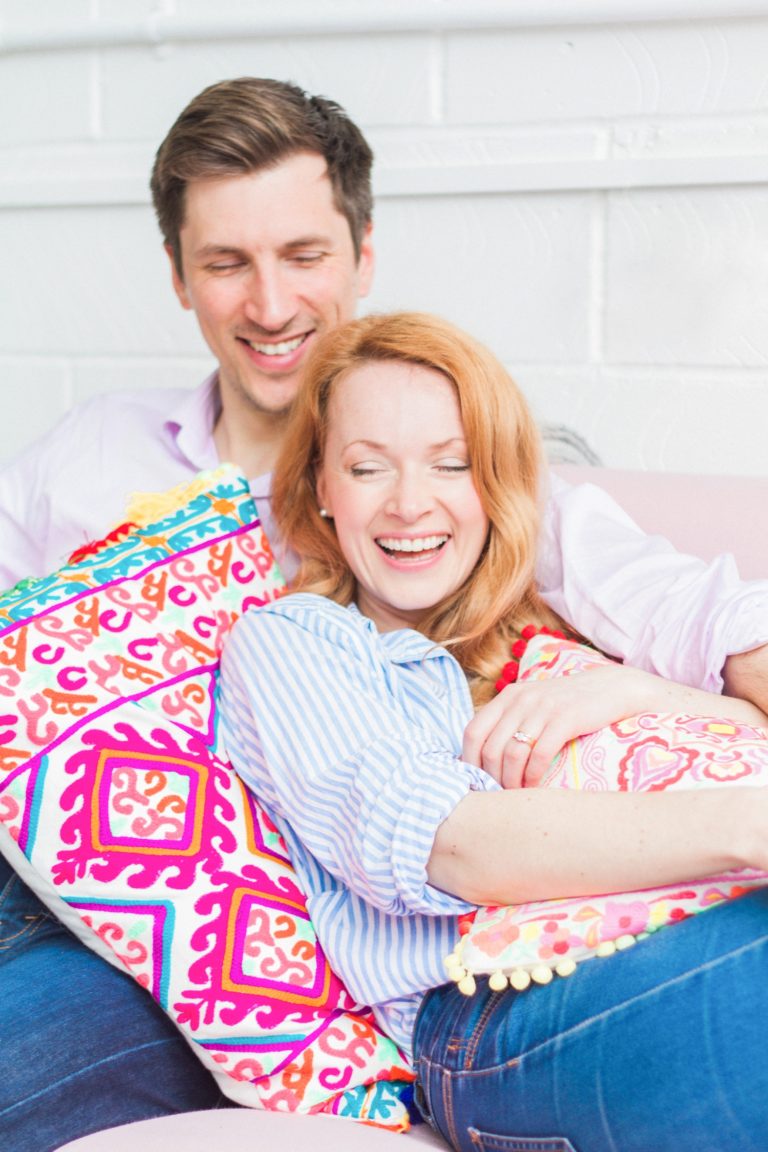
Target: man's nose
(270,302)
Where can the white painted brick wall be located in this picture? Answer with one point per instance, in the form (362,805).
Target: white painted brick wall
(584,186)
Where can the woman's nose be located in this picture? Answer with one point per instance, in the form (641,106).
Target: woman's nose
(411,499)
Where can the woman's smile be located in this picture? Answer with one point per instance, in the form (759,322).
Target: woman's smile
(410,549)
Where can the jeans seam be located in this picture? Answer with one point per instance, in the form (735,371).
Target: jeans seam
(476,1035)
(83,1072)
(448,1109)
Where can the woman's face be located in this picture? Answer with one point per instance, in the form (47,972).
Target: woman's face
(396,479)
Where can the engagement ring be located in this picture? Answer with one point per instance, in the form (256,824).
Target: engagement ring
(524,738)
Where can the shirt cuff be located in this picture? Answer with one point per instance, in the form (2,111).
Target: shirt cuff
(415,830)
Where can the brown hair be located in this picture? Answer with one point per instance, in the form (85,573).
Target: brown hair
(241,126)
(479,620)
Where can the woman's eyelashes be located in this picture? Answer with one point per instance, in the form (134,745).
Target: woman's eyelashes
(361,471)
(449,467)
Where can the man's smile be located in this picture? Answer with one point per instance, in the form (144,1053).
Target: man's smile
(281,348)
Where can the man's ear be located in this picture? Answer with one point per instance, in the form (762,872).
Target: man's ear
(366,263)
(178,284)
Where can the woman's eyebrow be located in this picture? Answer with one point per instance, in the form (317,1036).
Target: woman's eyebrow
(436,447)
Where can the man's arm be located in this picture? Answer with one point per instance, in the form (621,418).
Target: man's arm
(72,486)
(635,597)
(23,530)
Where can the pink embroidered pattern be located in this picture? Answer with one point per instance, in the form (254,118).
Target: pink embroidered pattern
(649,752)
(115,787)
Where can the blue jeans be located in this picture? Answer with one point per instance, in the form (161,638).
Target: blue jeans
(663,1048)
(82,1046)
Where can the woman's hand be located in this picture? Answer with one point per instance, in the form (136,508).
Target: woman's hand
(549,713)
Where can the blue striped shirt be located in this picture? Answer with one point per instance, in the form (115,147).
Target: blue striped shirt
(352,741)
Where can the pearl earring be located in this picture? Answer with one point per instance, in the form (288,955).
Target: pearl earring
(324,513)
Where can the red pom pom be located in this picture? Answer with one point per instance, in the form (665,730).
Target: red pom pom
(508,675)
(553,632)
(510,671)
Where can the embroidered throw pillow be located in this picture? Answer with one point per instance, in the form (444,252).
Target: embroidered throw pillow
(117,805)
(649,752)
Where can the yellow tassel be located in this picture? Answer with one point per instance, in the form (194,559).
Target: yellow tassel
(519,979)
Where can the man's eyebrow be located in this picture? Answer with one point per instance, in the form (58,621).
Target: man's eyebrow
(314,241)
(207,250)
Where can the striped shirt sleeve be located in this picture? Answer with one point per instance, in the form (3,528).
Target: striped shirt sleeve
(357,752)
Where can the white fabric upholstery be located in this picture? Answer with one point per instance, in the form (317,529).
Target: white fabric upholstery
(247,1130)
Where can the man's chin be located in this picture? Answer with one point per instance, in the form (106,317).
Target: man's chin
(275,410)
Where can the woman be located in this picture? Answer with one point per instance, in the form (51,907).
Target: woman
(363,712)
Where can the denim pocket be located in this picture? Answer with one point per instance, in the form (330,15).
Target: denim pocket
(22,916)
(490,1142)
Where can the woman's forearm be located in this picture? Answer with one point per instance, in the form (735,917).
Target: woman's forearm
(530,844)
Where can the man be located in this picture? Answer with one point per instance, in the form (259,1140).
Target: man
(263,198)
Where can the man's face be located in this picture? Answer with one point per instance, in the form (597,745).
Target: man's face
(268,265)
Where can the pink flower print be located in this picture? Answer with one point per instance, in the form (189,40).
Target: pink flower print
(493,940)
(556,940)
(727,768)
(622,918)
(707,726)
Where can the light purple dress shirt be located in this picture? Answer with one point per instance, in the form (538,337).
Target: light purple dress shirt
(633,595)
(73,485)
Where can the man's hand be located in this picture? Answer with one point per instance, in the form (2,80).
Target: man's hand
(746,676)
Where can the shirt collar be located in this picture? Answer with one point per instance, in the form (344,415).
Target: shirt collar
(191,425)
(403,645)
(192,421)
